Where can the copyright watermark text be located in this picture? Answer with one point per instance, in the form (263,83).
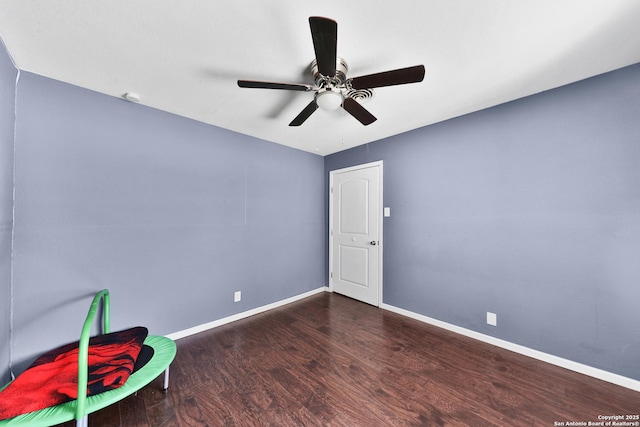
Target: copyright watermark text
(624,420)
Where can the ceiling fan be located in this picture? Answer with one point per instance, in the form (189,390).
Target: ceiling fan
(332,88)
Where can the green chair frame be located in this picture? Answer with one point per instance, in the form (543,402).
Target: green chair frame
(164,351)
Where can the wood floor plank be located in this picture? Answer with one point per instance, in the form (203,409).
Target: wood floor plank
(332,361)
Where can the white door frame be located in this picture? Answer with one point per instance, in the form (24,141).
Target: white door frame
(381,220)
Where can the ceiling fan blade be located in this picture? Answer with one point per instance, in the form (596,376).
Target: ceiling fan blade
(389,78)
(304,115)
(324,32)
(253,84)
(354,108)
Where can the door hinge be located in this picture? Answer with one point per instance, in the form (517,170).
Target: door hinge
(331,274)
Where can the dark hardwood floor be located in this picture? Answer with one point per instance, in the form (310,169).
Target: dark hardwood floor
(332,361)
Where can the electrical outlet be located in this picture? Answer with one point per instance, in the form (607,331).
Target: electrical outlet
(237,296)
(492,319)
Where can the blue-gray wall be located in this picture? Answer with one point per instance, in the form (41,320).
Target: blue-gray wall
(171,215)
(8,75)
(530,210)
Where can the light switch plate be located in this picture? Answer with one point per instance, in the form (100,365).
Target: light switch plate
(387,212)
(492,319)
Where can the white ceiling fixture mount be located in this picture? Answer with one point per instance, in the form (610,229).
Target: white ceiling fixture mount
(332,87)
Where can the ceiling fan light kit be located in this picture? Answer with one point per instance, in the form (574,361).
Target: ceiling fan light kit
(329,99)
(332,87)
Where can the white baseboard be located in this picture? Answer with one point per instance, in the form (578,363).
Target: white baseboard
(516,348)
(554,360)
(244,314)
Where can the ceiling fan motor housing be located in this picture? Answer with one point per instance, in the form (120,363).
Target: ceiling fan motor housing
(332,81)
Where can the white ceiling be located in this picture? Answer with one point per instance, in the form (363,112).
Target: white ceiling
(185,57)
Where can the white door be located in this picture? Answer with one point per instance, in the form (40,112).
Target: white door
(356,232)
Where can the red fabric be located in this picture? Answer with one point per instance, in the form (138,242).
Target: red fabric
(53,378)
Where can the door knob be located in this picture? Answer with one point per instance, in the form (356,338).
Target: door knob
(372,243)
